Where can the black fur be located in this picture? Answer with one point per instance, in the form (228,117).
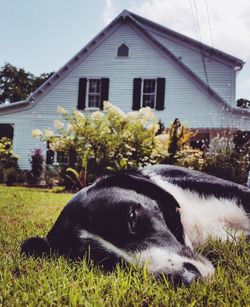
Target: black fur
(127,213)
(35,247)
(201,183)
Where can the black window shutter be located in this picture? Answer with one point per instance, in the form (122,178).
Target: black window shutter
(82,94)
(136,94)
(160,97)
(104,91)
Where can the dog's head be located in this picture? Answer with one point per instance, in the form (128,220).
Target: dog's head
(128,218)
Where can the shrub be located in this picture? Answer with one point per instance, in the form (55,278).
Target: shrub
(8,162)
(22,176)
(108,141)
(37,163)
(190,157)
(10,175)
(228,158)
(179,151)
(52,175)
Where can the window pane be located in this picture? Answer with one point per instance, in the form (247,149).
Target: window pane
(94,100)
(148,101)
(149,86)
(149,93)
(94,86)
(94,93)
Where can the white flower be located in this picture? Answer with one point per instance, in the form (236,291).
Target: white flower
(58,124)
(154,127)
(163,138)
(106,105)
(61,110)
(52,146)
(132,115)
(96,115)
(78,114)
(48,133)
(147,113)
(71,128)
(36,133)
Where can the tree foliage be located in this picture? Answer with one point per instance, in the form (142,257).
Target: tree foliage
(17,84)
(243,103)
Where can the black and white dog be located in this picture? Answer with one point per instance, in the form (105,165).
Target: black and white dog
(156,217)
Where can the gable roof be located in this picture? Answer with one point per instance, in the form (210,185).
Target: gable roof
(203,48)
(142,25)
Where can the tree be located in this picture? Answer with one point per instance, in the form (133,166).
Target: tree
(17,84)
(243,103)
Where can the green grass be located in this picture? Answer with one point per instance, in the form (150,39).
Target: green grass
(57,282)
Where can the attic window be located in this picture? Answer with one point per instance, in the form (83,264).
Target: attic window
(122,50)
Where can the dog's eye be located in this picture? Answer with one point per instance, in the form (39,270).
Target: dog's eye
(132,219)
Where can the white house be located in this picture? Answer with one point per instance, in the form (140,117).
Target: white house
(135,62)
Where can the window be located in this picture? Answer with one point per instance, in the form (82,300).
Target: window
(55,157)
(149,93)
(148,96)
(6,130)
(94,93)
(123,50)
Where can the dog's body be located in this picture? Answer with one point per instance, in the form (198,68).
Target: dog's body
(155,216)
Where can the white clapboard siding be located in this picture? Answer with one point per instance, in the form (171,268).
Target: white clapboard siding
(219,75)
(143,61)
(183,98)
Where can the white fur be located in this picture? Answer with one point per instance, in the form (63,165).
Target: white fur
(158,259)
(204,218)
(84,234)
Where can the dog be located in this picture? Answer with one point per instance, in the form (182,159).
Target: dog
(156,216)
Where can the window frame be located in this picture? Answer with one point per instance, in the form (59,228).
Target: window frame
(148,94)
(88,107)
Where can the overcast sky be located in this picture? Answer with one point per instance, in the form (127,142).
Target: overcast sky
(41,36)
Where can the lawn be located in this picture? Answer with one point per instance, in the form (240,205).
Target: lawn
(57,282)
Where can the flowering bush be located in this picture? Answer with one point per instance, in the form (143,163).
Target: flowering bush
(109,141)
(8,162)
(228,159)
(6,149)
(190,157)
(179,151)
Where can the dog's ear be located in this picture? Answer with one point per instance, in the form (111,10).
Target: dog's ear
(142,185)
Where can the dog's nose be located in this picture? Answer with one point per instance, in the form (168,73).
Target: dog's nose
(185,276)
(189,273)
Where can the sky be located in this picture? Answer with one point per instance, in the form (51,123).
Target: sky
(41,36)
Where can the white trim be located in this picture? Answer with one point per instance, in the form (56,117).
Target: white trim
(142,93)
(90,108)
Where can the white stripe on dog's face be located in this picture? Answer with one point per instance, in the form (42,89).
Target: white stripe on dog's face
(167,261)
(159,260)
(205,217)
(85,235)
